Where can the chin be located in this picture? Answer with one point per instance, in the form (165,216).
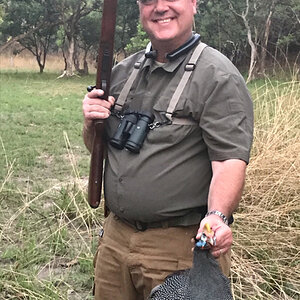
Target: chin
(161,33)
(165,38)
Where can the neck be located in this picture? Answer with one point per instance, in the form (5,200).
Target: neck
(161,49)
(165,54)
(161,57)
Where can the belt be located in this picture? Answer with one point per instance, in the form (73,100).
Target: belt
(189,219)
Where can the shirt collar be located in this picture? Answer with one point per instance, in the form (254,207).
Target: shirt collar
(169,66)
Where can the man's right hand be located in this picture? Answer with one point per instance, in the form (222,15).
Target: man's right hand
(96,108)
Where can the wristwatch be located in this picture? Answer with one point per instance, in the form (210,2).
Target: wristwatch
(218,213)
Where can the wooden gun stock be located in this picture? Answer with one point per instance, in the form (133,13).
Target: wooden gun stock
(104,67)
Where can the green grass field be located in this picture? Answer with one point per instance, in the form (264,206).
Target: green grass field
(48,232)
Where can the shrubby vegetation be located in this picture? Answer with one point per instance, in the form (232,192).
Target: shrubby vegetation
(259,34)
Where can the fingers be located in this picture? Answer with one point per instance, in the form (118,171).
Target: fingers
(97,94)
(218,253)
(96,108)
(222,233)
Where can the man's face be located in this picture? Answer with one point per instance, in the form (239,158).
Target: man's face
(167,22)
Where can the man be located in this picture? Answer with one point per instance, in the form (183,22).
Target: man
(158,198)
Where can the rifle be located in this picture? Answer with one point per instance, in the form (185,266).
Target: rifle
(104,67)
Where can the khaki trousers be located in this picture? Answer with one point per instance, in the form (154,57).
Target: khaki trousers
(129,263)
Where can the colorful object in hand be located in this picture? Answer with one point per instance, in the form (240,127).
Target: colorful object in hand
(207,239)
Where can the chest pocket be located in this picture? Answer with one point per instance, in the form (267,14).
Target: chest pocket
(174,134)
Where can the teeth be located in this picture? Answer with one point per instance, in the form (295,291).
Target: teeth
(164,21)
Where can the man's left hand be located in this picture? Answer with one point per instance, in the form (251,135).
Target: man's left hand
(223,234)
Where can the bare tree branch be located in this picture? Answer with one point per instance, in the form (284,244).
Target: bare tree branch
(19,37)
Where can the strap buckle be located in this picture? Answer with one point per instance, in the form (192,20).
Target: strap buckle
(189,67)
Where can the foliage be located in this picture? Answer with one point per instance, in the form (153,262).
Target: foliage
(70,13)
(214,22)
(127,21)
(89,27)
(35,14)
(88,39)
(272,25)
(1,18)
(138,42)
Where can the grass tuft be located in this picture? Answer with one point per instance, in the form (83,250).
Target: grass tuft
(266,248)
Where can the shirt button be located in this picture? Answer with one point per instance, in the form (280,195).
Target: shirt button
(120,179)
(122,209)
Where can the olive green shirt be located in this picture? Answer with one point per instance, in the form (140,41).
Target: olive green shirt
(171,175)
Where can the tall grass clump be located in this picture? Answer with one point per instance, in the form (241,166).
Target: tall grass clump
(266,248)
(48,240)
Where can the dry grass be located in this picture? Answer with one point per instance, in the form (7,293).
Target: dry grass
(50,239)
(25,61)
(266,250)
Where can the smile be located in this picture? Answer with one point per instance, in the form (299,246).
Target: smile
(164,21)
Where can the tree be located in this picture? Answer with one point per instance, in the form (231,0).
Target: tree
(252,32)
(126,27)
(38,44)
(266,35)
(214,22)
(89,31)
(257,33)
(88,38)
(285,36)
(257,18)
(70,13)
(33,27)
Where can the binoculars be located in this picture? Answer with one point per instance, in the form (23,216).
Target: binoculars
(132,131)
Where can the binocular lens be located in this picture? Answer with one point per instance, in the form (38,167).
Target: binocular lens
(123,131)
(132,131)
(136,139)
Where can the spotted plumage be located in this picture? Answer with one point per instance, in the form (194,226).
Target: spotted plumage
(204,281)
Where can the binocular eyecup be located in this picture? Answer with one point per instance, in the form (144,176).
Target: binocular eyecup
(132,131)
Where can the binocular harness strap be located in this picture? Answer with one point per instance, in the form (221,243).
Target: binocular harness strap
(126,89)
(189,67)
